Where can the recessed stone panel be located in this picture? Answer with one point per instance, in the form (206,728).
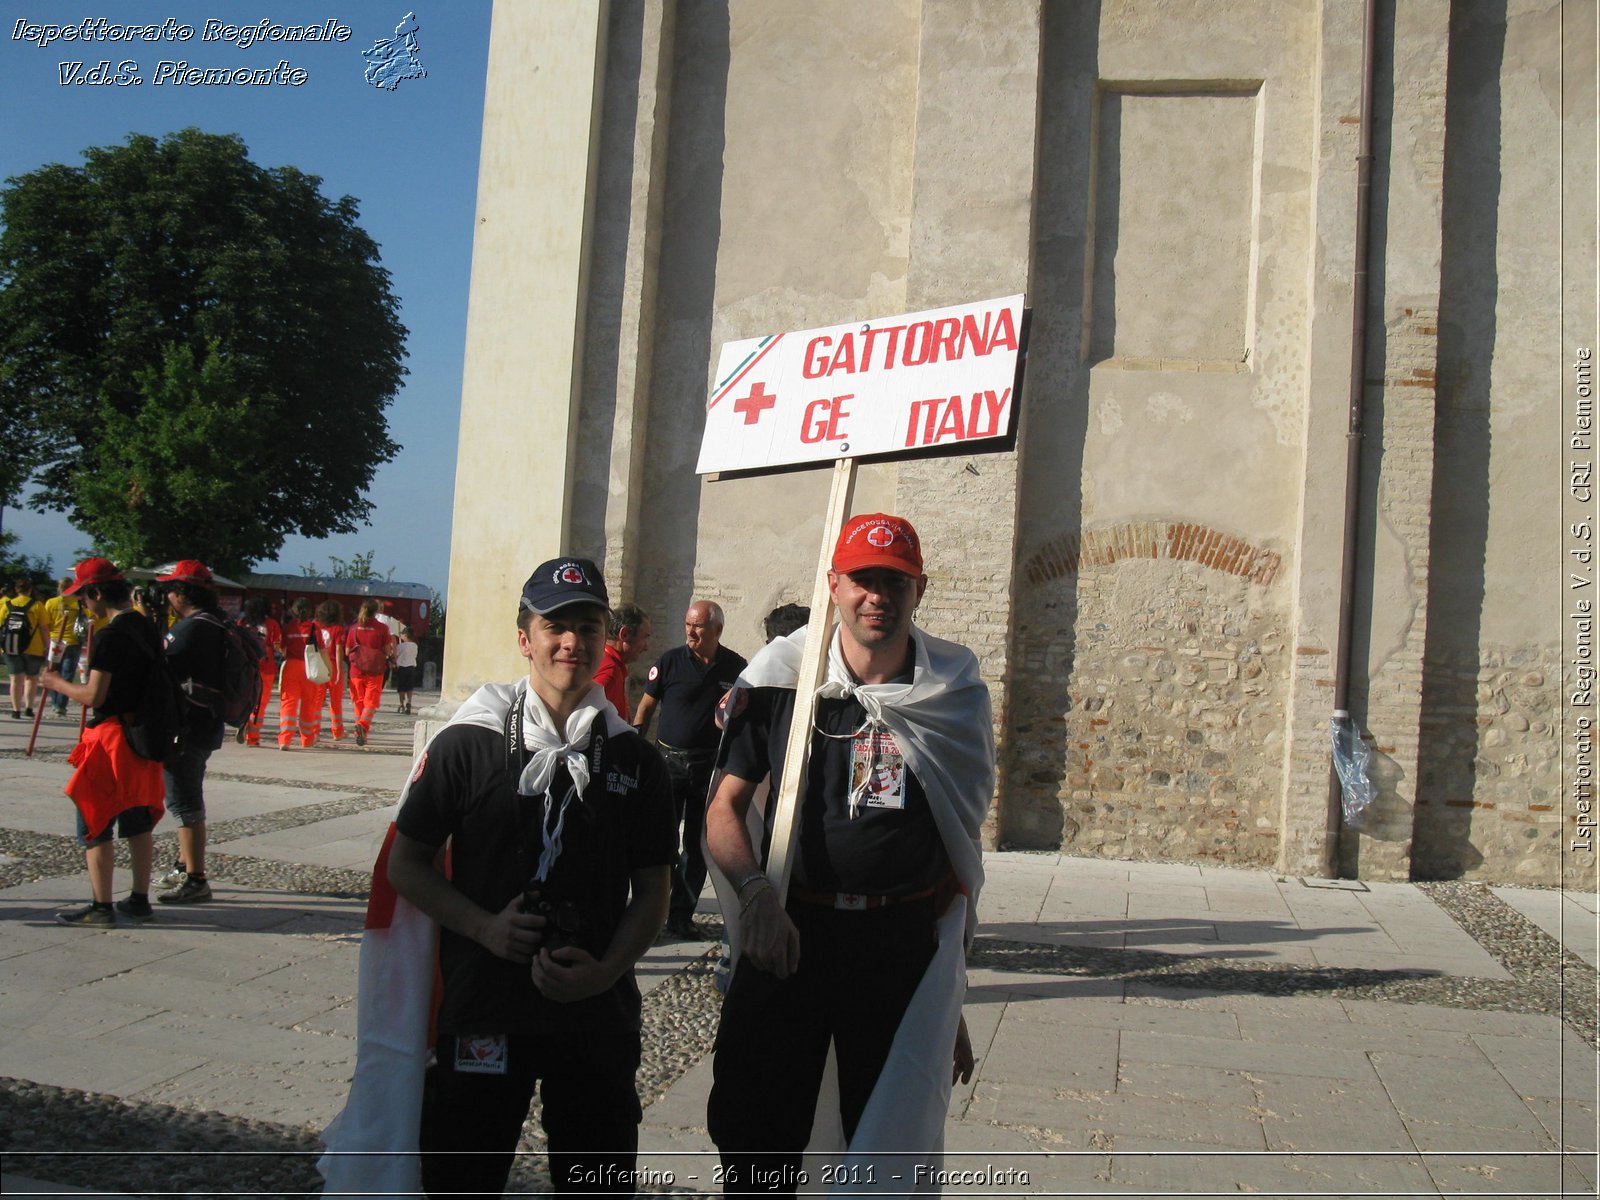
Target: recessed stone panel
(1174,226)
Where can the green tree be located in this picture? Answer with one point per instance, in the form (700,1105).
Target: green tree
(35,567)
(357,567)
(435,614)
(239,301)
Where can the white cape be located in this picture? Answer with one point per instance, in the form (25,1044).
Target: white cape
(943,725)
(372,1143)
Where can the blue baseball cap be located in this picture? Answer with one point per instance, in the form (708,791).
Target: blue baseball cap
(563,581)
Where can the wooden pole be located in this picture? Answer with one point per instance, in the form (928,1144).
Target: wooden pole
(40,699)
(813,670)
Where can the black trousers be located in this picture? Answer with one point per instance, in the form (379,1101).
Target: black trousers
(690,774)
(858,971)
(591,1114)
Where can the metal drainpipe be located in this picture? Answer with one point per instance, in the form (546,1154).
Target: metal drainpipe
(1352,467)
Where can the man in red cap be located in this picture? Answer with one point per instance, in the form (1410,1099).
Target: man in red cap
(112,786)
(197,648)
(867,952)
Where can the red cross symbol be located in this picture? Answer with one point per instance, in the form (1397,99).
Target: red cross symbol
(756,403)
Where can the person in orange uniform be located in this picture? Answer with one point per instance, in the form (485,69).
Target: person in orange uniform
(257,617)
(368,647)
(295,693)
(330,620)
(317,693)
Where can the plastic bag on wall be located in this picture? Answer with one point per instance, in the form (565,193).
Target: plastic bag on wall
(1352,759)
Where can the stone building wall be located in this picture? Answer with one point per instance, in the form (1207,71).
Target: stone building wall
(1148,719)
(1151,579)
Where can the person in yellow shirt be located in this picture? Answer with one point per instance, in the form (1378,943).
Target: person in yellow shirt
(62,615)
(22,638)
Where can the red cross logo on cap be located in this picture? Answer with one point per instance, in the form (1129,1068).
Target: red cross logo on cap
(880,536)
(571,574)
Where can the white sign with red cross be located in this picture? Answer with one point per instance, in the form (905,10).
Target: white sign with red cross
(945,378)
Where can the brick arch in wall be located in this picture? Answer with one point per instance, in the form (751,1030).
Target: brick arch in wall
(1181,541)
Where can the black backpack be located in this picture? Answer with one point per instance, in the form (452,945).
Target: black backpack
(242,652)
(17,631)
(152,729)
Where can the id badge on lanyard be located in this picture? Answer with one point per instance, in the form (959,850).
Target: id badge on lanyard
(877,770)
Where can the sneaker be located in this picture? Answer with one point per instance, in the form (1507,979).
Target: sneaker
(16,714)
(192,891)
(136,912)
(173,878)
(27,712)
(89,914)
(361,736)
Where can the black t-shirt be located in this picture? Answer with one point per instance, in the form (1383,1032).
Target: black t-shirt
(878,852)
(465,791)
(196,650)
(687,694)
(118,654)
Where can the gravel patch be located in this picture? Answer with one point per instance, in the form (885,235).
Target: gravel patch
(92,1140)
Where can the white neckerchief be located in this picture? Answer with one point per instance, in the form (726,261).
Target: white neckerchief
(550,746)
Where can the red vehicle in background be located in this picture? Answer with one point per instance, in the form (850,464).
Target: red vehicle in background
(406,604)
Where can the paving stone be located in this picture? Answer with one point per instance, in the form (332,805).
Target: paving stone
(1500,1175)
(1141,873)
(986,986)
(1300,1113)
(1464,1141)
(1559,1066)
(1164,899)
(1422,1088)
(1059,1112)
(153,991)
(1437,1017)
(1109,1014)
(1574,1124)
(1124,1116)
(1311,1009)
(1193,1085)
(1086,1061)
(59,967)
(1243,1056)
(1057,933)
(352,842)
(311,1090)
(1167,1167)
(1290,1032)
(116,1065)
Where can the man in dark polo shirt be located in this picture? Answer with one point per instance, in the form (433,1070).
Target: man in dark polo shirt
(686,683)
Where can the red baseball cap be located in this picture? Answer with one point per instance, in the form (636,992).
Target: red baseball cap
(92,571)
(188,570)
(878,540)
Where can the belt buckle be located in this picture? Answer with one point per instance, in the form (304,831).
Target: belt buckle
(850,902)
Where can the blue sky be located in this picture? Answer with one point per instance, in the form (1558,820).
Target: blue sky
(409,156)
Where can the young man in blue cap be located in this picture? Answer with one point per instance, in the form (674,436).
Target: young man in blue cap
(560,825)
